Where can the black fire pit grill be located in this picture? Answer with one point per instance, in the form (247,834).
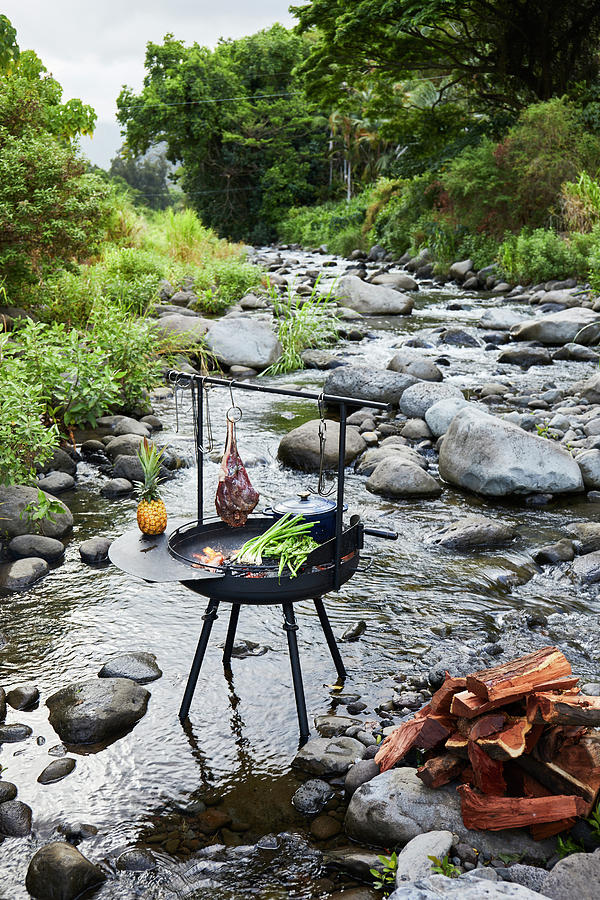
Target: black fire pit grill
(173,556)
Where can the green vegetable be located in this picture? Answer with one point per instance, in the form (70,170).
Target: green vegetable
(287,540)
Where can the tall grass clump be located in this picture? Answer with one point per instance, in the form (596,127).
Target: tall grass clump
(532,257)
(581,203)
(183,238)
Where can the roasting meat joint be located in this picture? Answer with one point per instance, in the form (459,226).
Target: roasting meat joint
(236,498)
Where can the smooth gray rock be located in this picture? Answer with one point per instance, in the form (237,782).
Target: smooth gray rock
(300,448)
(587,535)
(25,696)
(576,352)
(358,774)
(364,383)
(500,319)
(416,430)
(440,414)
(557,328)
(193,328)
(559,551)
(462,889)
(395,807)
(473,532)
(127,425)
(333,726)
(589,463)
(458,270)
(59,871)
(329,756)
(400,281)
(495,458)
(243,342)
(15,498)
(251,301)
(417,399)
(13,733)
(577,877)
(356,862)
(395,477)
(22,574)
(136,860)
(28,545)
(15,818)
(8,791)
(413,859)
(587,568)
(458,337)
(124,445)
(369,461)
(60,461)
(56,770)
(117,487)
(526,357)
(56,483)
(372,299)
(98,710)
(94,550)
(312,797)
(137,665)
(419,367)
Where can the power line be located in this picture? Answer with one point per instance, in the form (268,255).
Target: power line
(215,100)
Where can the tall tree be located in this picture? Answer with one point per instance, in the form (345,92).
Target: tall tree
(146,175)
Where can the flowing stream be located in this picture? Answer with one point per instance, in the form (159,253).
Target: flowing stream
(243,732)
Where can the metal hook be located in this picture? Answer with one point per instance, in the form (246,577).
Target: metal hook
(234,413)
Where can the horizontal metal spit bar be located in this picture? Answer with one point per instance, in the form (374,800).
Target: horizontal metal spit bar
(183,378)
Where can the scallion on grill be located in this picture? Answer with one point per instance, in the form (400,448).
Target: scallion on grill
(287,540)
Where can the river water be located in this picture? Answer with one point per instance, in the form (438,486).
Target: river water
(417,600)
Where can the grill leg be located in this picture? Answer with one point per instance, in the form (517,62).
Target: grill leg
(233,621)
(329,637)
(209,617)
(289,624)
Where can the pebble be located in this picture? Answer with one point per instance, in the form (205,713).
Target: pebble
(23,697)
(95,550)
(11,734)
(57,770)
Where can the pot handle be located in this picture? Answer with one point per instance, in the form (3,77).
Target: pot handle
(268,511)
(381,533)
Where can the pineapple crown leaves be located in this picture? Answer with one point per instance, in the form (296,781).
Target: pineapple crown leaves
(150,458)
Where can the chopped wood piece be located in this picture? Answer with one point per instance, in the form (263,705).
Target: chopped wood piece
(469,705)
(423,731)
(488,777)
(487,725)
(497,813)
(441,700)
(563,709)
(509,743)
(567,683)
(440,770)
(575,769)
(549,829)
(457,745)
(519,675)
(554,739)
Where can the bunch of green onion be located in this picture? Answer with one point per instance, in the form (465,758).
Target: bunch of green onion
(288,540)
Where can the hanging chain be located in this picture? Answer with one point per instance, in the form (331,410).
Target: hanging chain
(322,441)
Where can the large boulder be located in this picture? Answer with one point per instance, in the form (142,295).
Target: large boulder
(372,299)
(474,532)
(300,448)
(417,399)
(395,477)
(493,457)
(576,877)
(400,281)
(59,871)
(329,756)
(243,342)
(589,463)
(98,710)
(499,319)
(557,328)
(395,807)
(412,364)
(193,328)
(365,383)
(14,500)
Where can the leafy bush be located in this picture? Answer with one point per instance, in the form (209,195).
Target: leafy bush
(542,255)
(409,205)
(581,203)
(339,224)
(481,248)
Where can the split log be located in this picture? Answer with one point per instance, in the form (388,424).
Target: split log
(441,700)
(486,725)
(564,709)
(574,770)
(488,776)
(554,739)
(550,829)
(423,731)
(509,743)
(468,705)
(520,675)
(457,744)
(497,813)
(440,770)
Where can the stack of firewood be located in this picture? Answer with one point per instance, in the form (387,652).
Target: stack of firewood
(520,740)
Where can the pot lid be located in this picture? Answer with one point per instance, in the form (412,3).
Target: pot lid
(305,504)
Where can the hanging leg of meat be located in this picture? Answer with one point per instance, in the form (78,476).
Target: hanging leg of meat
(236,498)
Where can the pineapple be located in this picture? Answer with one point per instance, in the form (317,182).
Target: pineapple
(151,511)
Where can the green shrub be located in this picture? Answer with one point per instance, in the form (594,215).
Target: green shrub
(67,297)
(581,203)
(337,224)
(409,206)
(542,255)
(481,248)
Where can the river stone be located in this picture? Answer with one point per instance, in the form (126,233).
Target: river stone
(56,770)
(551,554)
(361,772)
(354,861)
(333,726)
(127,425)
(587,535)
(441,413)
(25,696)
(416,430)
(97,710)
(458,270)
(531,877)
(526,357)
(329,756)
(27,545)
(136,860)
(463,888)
(587,568)
(321,359)
(417,399)
(11,734)
(129,468)
(400,281)
(136,665)
(371,459)
(56,483)
(557,328)
(372,299)
(13,500)
(117,487)
(589,463)
(419,367)
(499,319)
(124,445)
(576,877)
(413,859)
(23,573)
(311,797)
(15,818)
(576,352)
(8,791)
(364,383)
(243,342)
(59,871)
(394,477)
(395,807)
(493,457)
(94,550)
(300,447)
(474,532)
(458,337)
(60,461)
(193,328)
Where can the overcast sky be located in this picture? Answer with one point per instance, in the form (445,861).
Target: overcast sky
(94,49)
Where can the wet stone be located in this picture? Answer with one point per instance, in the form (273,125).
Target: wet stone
(332,726)
(325,827)
(116,487)
(15,818)
(57,750)
(312,797)
(551,554)
(97,710)
(25,696)
(75,832)
(59,871)
(57,483)
(136,860)
(23,573)
(8,791)
(57,770)
(137,665)
(27,545)
(95,550)
(2,704)
(213,819)
(11,734)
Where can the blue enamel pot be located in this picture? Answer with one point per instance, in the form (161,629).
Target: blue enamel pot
(314,508)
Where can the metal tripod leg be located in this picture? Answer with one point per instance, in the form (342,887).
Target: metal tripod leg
(209,617)
(329,637)
(233,621)
(289,624)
